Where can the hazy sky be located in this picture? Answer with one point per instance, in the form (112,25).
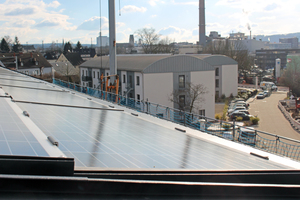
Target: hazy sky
(36,20)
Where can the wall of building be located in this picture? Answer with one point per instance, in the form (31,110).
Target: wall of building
(36,71)
(206,78)
(158,88)
(138,88)
(123,82)
(229,80)
(95,78)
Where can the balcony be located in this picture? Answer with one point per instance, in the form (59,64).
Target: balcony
(86,78)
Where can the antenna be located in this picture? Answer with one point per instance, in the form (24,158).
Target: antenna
(100,12)
(119,7)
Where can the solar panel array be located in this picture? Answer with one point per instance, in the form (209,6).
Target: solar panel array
(108,139)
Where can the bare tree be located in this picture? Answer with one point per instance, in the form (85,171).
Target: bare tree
(149,39)
(165,45)
(190,97)
(53,46)
(234,49)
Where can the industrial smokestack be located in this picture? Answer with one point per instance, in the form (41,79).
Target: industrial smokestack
(202,37)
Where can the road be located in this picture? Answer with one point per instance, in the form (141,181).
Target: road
(271,118)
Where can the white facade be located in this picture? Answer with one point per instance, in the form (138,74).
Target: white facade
(95,77)
(102,41)
(207,79)
(158,88)
(229,80)
(36,71)
(138,88)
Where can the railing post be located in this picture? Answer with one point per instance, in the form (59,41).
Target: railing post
(184,119)
(277,139)
(233,130)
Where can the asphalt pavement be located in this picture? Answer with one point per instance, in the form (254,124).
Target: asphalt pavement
(271,118)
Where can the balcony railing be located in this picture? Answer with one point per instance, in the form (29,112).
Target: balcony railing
(86,78)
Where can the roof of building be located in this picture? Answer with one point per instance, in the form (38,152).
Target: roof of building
(97,135)
(64,68)
(157,62)
(74,58)
(25,60)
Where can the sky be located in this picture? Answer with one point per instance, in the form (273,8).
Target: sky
(34,21)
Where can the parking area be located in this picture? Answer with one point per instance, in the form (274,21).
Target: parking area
(271,118)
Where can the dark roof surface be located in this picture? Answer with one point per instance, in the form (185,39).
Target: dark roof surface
(28,60)
(74,58)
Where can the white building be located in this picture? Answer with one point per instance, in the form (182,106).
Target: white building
(154,77)
(102,41)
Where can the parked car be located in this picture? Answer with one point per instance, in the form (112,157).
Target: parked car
(266,93)
(240,114)
(233,103)
(237,99)
(236,108)
(245,104)
(240,111)
(261,95)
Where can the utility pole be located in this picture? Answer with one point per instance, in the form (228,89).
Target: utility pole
(112,41)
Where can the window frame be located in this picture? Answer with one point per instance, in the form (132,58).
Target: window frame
(181,84)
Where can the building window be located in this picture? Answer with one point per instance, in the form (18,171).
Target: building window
(94,86)
(82,72)
(181,81)
(202,112)
(137,80)
(138,97)
(217,83)
(181,101)
(106,74)
(130,81)
(86,73)
(124,78)
(217,71)
(98,75)
(94,74)
(217,94)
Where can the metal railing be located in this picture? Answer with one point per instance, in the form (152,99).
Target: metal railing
(228,130)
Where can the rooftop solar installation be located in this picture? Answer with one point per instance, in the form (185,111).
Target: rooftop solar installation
(99,136)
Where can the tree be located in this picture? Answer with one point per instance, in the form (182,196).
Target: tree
(17,46)
(189,98)
(234,49)
(291,76)
(68,47)
(8,40)
(78,46)
(149,39)
(4,46)
(165,45)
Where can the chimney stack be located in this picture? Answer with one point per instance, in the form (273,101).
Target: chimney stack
(202,36)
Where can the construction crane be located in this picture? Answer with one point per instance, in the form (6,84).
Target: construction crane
(110,87)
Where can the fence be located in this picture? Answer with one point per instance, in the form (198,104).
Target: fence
(294,123)
(227,130)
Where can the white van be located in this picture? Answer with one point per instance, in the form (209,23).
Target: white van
(264,85)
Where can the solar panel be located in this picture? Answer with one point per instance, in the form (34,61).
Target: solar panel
(101,138)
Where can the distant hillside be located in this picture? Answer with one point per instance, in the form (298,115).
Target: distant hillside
(275,38)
